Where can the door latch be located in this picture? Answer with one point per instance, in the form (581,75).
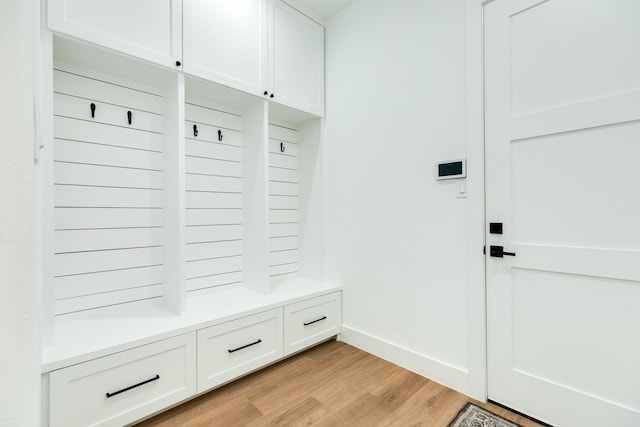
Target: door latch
(498,252)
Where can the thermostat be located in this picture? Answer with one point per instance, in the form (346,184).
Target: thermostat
(452,169)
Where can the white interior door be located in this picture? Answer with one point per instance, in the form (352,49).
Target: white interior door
(562,89)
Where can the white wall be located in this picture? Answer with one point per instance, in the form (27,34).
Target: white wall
(19,357)
(397,239)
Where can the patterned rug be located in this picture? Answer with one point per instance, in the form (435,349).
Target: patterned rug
(474,416)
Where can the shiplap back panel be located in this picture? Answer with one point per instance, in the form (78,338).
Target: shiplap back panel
(213,197)
(108,193)
(283,201)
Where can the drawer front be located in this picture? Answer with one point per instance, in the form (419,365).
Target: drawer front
(124,387)
(311,321)
(231,349)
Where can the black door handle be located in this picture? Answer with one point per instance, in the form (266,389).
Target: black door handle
(498,252)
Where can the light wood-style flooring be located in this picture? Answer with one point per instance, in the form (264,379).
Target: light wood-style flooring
(333,384)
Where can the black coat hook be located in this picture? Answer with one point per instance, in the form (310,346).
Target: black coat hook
(282,147)
(195,130)
(93,110)
(219,135)
(129,116)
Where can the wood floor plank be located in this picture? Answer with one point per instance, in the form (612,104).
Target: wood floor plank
(332,384)
(305,377)
(202,412)
(363,411)
(362,376)
(299,412)
(399,386)
(232,414)
(432,405)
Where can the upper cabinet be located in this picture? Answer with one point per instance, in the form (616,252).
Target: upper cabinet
(225,42)
(262,47)
(147,29)
(296,59)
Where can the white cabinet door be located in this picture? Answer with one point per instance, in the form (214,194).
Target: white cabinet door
(148,29)
(296,59)
(225,41)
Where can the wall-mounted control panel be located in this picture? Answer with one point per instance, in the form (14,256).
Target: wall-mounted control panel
(452,169)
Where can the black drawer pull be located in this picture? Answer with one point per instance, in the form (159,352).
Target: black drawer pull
(315,321)
(157,377)
(244,346)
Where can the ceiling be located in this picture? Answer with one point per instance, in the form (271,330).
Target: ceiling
(324,8)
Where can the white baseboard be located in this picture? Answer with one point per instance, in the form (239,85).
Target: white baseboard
(432,369)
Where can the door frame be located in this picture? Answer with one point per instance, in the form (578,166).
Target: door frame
(476,208)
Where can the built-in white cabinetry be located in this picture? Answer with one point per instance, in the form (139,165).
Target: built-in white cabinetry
(225,42)
(147,29)
(262,47)
(183,216)
(229,350)
(296,59)
(123,387)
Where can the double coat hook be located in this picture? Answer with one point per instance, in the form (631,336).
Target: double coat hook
(92,106)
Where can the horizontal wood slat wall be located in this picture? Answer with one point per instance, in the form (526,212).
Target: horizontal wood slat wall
(213,144)
(108,193)
(283,201)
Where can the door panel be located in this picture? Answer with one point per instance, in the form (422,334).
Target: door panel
(555,177)
(580,49)
(562,85)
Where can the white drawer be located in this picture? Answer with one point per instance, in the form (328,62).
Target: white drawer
(231,349)
(124,387)
(311,321)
